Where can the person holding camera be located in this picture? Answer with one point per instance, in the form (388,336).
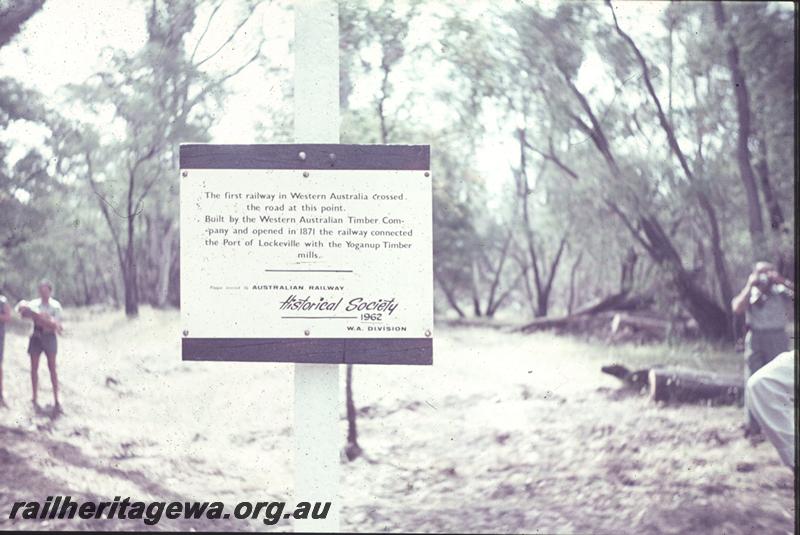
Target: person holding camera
(763,300)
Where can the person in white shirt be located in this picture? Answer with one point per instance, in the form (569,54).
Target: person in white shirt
(46,315)
(770,395)
(5,315)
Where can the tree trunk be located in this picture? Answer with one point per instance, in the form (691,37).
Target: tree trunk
(627,272)
(572,272)
(476,300)
(701,303)
(450,296)
(528,289)
(13,15)
(712,320)
(114,291)
(130,274)
(493,302)
(164,264)
(107,292)
(130,281)
(87,294)
(352,449)
(131,293)
(756,223)
(543,301)
(776,218)
(543,287)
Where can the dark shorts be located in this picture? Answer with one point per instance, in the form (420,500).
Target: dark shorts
(46,342)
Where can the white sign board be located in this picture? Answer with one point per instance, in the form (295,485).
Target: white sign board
(277,253)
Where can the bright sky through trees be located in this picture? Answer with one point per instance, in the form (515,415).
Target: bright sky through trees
(69,40)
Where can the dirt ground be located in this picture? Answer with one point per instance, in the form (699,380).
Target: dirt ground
(504,433)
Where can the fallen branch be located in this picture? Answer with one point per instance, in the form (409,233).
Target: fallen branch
(654,326)
(615,302)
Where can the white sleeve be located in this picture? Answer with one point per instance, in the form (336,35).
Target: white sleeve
(770,397)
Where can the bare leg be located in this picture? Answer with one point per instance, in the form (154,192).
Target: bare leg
(35,377)
(2,348)
(51,365)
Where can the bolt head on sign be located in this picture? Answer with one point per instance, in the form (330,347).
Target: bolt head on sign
(344,253)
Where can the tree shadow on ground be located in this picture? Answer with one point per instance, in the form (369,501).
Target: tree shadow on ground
(23,477)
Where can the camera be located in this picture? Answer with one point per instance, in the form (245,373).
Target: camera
(765,287)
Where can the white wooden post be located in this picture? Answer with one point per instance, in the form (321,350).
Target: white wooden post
(316,386)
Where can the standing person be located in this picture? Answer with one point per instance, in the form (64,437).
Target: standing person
(770,395)
(46,315)
(5,315)
(763,300)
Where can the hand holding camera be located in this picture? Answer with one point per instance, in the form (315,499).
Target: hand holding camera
(764,284)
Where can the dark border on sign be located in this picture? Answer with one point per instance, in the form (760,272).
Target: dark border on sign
(314,156)
(310,350)
(308,156)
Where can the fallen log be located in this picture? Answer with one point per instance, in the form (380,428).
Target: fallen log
(546,323)
(678,384)
(653,326)
(637,379)
(675,384)
(610,302)
(595,307)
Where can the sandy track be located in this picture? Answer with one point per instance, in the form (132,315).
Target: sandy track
(505,433)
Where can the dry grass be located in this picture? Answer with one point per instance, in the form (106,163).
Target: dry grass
(504,433)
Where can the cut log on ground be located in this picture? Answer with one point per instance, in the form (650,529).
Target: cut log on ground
(686,385)
(680,385)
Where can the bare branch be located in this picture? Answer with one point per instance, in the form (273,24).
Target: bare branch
(104,206)
(218,83)
(205,30)
(625,221)
(665,124)
(231,36)
(551,156)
